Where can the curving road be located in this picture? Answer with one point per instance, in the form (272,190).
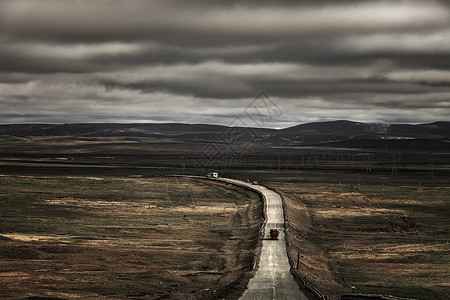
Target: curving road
(273,279)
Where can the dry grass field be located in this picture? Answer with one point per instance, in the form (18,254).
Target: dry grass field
(73,223)
(100,237)
(391,240)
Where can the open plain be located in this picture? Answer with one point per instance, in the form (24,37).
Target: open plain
(105,217)
(371,239)
(95,237)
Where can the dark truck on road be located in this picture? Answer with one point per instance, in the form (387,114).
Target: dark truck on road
(274,234)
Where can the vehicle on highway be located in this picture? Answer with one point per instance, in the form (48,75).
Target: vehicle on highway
(274,234)
(213,175)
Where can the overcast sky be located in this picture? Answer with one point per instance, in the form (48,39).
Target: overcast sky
(64,61)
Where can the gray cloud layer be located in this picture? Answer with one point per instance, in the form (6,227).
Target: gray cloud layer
(204,61)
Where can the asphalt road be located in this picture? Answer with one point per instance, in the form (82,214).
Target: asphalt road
(273,279)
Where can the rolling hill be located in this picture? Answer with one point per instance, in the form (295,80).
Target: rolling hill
(334,133)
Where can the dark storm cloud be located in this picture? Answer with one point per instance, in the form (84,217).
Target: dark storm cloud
(18,62)
(197,60)
(180,22)
(234,88)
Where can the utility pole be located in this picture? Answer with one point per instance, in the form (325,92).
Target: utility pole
(394,167)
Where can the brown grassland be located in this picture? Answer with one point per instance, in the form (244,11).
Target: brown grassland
(73,223)
(103,237)
(390,240)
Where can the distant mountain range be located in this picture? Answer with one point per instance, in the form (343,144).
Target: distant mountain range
(334,133)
